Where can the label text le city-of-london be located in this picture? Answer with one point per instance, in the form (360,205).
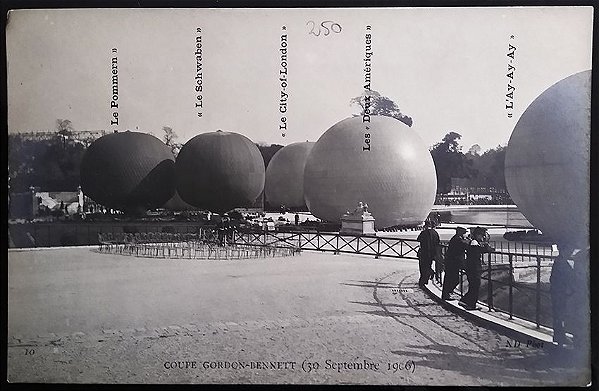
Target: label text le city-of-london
(283,83)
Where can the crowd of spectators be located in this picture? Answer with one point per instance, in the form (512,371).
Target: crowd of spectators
(495,199)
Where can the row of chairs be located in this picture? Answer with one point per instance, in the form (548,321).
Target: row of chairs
(157,237)
(194,250)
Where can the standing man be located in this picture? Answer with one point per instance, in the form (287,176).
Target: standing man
(560,286)
(454,259)
(580,313)
(429,246)
(478,245)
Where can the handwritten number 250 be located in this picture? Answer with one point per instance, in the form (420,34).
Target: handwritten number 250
(316,29)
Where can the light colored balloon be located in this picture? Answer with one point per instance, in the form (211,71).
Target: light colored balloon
(396,177)
(547,160)
(285,176)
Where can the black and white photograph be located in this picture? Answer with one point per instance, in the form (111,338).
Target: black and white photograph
(365,196)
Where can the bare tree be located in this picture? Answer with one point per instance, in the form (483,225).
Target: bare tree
(65,130)
(169,139)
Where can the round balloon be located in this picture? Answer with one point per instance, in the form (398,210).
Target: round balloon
(129,171)
(220,171)
(547,160)
(382,163)
(285,176)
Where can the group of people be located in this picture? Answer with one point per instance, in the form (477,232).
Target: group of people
(568,281)
(464,252)
(224,231)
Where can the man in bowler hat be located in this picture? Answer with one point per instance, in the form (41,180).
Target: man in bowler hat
(454,261)
(478,245)
(429,248)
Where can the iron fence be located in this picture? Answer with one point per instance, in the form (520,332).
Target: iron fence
(83,233)
(334,242)
(522,247)
(515,277)
(516,283)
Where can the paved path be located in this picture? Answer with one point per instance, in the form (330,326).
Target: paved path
(79,316)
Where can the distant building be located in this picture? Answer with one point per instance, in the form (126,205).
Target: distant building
(80,136)
(35,203)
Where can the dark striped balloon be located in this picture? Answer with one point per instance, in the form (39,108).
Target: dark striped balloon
(220,171)
(129,171)
(177,204)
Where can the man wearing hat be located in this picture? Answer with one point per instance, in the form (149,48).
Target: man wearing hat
(561,288)
(429,248)
(454,260)
(478,245)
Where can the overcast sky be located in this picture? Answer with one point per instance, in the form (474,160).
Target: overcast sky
(446,68)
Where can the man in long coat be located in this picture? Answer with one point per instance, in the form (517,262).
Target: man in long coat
(454,260)
(429,249)
(478,245)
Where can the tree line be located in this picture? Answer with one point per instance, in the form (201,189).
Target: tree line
(473,169)
(52,164)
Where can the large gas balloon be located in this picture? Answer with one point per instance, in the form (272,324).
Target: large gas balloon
(382,163)
(547,160)
(220,171)
(285,176)
(129,171)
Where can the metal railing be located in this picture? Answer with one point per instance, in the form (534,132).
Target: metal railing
(522,247)
(516,283)
(334,242)
(506,277)
(83,233)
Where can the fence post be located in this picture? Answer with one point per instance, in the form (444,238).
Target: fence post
(511,297)
(35,235)
(378,248)
(489,283)
(538,306)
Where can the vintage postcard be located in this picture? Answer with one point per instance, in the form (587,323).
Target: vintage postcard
(394,196)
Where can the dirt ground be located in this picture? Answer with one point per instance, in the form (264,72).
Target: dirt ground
(83,317)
